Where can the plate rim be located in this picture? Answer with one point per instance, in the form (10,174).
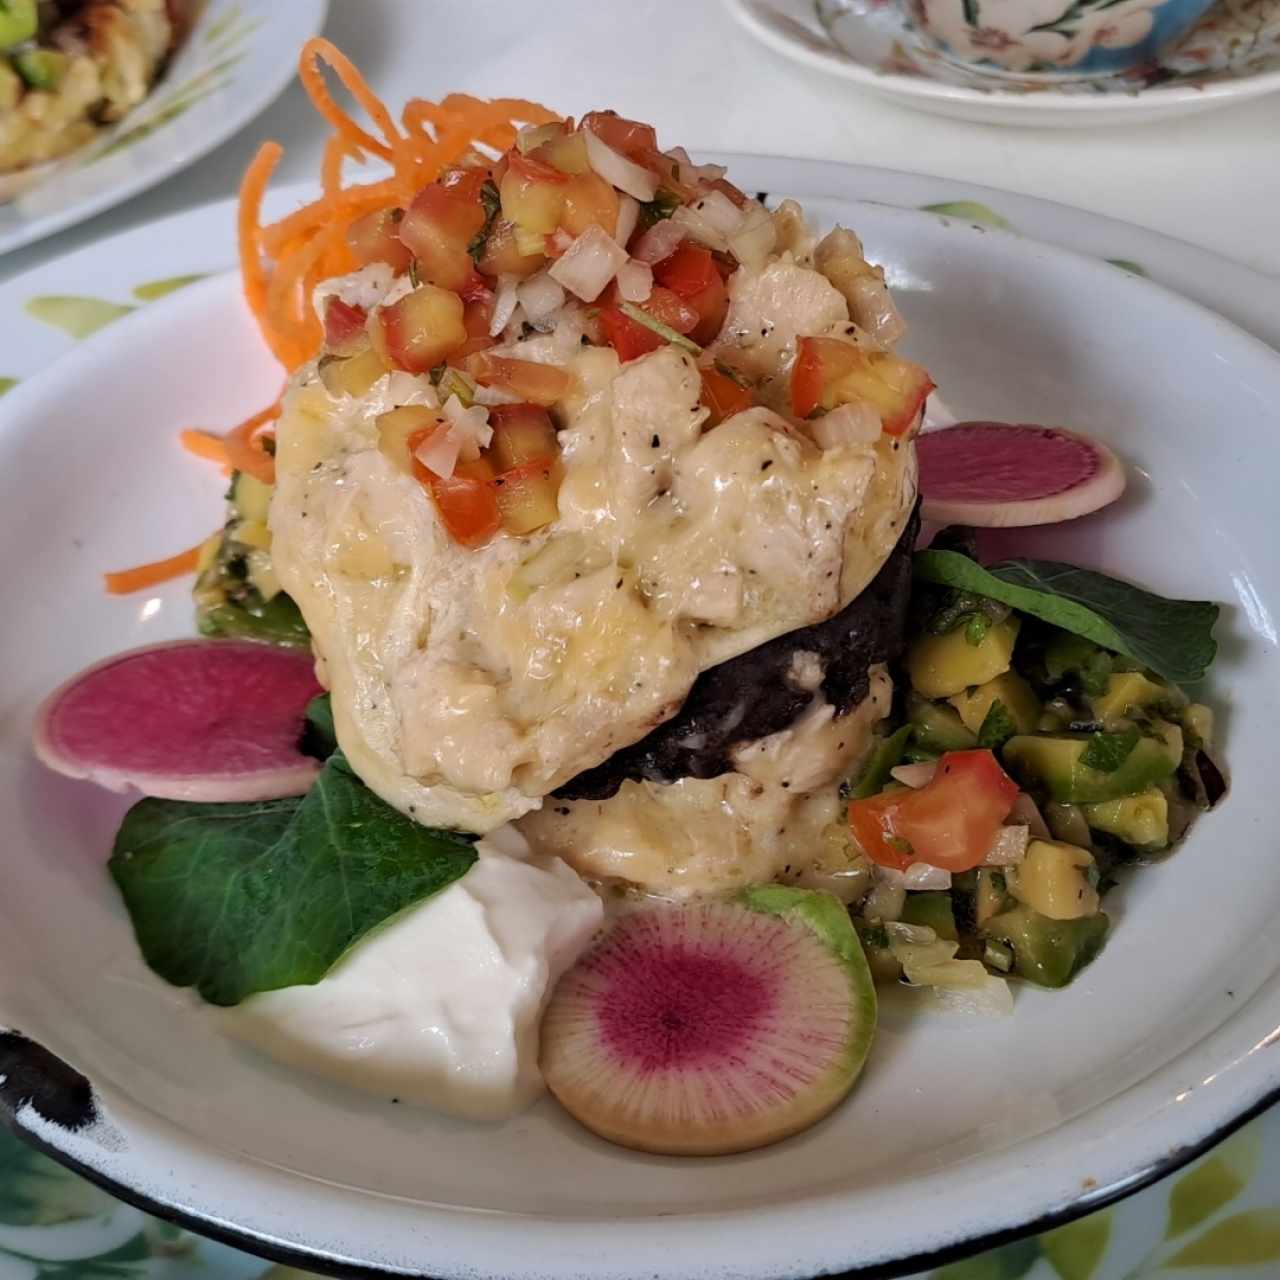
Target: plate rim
(1156,98)
(32,231)
(1086,1202)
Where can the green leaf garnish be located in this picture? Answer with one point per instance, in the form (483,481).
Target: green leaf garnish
(491,199)
(1106,752)
(885,756)
(1174,638)
(234,899)
(997,727)
(632,312)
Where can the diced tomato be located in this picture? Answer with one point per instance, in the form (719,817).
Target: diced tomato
(522,433)
(466,501)
(438,228)
(629,339)
(668,172)
(687,271)
(723,396)
(630,137)
(820,362)
(589,201)
(542,384)
(375,238)
(476,316)
(465,183)
(344,332)
(949,823)
(532,193)
(421,329)
(690,273)
(526,496)
(568,153)
(671,309)
(830,371)
(502,256)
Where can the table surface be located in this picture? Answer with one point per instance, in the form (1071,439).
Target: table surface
(1211,179)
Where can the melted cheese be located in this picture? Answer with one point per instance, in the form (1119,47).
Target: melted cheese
(777,816)
(469,683)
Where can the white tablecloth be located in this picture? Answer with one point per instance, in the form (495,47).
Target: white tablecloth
(685,65)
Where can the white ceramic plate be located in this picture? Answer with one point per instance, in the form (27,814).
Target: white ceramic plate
(233,64)
(960,1130)
(1232,56)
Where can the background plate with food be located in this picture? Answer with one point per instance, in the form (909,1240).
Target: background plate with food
(101,99)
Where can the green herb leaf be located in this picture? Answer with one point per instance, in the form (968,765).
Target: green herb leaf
(1106,752)
(884,758)
(233,899)
(662,206)
(492,201)
(997,727)
(79,317)
(1172,637)
(642,317)
(975,630)
(154,289)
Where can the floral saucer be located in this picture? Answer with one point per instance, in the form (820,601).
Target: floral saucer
(1232,55)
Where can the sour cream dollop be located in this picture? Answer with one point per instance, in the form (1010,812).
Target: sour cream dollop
(441,1007)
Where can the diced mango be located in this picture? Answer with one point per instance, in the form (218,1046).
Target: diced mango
(1051,880)
(942,666)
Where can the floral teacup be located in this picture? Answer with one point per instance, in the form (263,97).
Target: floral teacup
(1055,38)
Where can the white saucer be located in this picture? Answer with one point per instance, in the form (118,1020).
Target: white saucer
(1232,56)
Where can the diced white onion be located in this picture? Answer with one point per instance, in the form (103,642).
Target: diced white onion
(921,875)
(916,935)
(887,896)
(570,327)
(1008,848)
(755,237)
(504,304)
(855,423)
(993,999)
(659,241)
(692,174)
(635,281)
(628,216)
(699,229)
(915,775)
(937,413)
(439,452)
(541,297)
(410,388)
(719,212)
(1026,811)
(470,424)
(589,263)
(615,168)
(532,136)
(495,395)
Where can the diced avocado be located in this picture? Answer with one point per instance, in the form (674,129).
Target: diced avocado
(19,21)
(277,620)
(940,666)
(1141,820)
(41,68)
(1127,690)
(933,910)
(1049,952)
(991,896)
(937,728)
(1009,689)
(1054,763)
(1072,655)
(1051,880)
(251,497)
(1067,822)
(884,756)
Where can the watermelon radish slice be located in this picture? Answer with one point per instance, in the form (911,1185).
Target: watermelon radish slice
(995,474)
(210,720)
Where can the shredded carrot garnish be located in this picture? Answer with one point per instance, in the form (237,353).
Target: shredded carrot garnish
(205,444)
(281,263)
(151,575)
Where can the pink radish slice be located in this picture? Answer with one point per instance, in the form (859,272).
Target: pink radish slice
(994,474)
(211,720)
